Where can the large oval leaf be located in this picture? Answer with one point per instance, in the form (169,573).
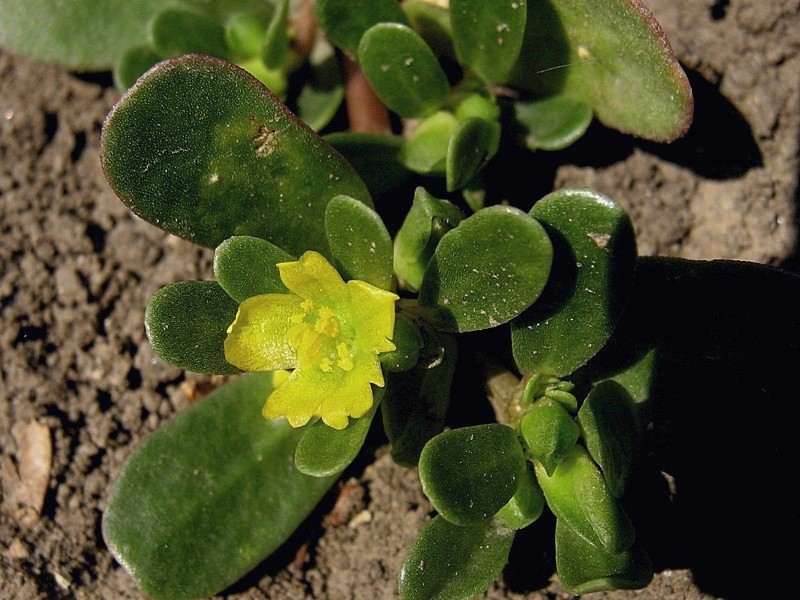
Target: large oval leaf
(488,35)
(246,266)
(376,157)
(187,324)
(594,257)
(471,473)
(209,496)
(469,290)
(201,149)
(359,241)
(402,70)
(452,562)
(613,55)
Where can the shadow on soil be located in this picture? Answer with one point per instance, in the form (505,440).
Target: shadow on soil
(714,492)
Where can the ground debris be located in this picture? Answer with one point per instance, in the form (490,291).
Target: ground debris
(25,483)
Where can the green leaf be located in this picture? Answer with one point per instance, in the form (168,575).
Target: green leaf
(346,21)
(408,339)
(527,503)
(187,324)
(471,473)
(468,290)
(416,401)
(473,143)
(69,33)
(359,242)
(610,429)
(550,433)
(227,158)
(452,562)
(244,33)
(425,152)
(245,266)
(432,22)
(594,257)
(324,451)
(578,494)
(553,123)
(584,568)
(402,70)
(133,64)
(210,495)
(376,157)
(275,51)
(427,221)
(175,31)
(488,35)
(612,55)
(323,89)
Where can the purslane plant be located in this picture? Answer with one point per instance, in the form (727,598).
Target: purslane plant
(336,317)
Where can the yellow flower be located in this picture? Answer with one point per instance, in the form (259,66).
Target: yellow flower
(330,332)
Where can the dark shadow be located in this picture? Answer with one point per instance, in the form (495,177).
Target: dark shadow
(532,560)
(715,492)
(720,142)
(719,145)
(104,79)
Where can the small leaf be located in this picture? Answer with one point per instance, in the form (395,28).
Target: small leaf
(432,22)
(425,152)
(209,496)
(402,70)
(323,89)
(245,267)
(133,64)
(578,494)
(226,159)
(553,123)
(454,562)
(469,290)
(427,221)
(584,568)
(409,341)
(244,33)
(527,503)
(488,36)
(594,257)
(611,55)
(376,157)
(471,473)
(473,143)
(359,242)
(550,433)
(324,451)
(346,21)
(187,323)
(175,31)
(275,50)
(415,405)
(609,427)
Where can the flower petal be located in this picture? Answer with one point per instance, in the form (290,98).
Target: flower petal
(372,313)
(312,277)
(257,340)
(332,396)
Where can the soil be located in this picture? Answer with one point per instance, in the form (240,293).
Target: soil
(77,268)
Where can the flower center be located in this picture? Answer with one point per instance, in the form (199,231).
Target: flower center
(321,341)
